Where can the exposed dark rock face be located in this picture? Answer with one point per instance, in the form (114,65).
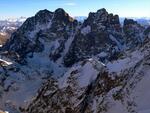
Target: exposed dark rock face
(44,27)
(107,21)
(53,44)
(105,92)
(133,33)
(100,32)
(61,99)
(147,31)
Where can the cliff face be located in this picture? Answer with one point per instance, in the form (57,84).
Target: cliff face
(29,57)
(91,87)
(101,32)
(58,61)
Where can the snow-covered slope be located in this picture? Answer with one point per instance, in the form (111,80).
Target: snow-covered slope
(70,90)
(53,64)
(33,50)
(91,87)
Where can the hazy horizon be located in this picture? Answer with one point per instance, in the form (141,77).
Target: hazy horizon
(28,8)
(73,16)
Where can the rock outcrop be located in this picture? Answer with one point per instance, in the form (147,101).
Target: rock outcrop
(91,87)
(133,33)
(44,27)
(100,33)
(32,52)
(97,66)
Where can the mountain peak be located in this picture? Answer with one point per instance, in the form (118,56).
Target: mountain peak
(61,15)
(129,21)
(54,48)
(102,11)
(60,10)
(43,12)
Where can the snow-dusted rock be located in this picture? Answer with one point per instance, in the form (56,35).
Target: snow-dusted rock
(133,32)
(69,91)
(31,54)
(94,37)
(47,42)
(91,87)
(86,30)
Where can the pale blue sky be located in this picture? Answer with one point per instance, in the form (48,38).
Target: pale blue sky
(125,8)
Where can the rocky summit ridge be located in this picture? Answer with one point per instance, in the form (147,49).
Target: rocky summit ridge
(55,64)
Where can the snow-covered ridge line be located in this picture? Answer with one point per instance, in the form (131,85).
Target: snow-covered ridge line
(86,72)
(43,43)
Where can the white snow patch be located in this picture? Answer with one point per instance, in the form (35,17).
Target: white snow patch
(117,107)
(116,41)
(3,33)
(141,92)
(38,27)
(6,63)
(85,74)
(55,46)
(67,46)
(126,63)
(86,30)
(102,54)
(94,107)
(42,60)
(25,83)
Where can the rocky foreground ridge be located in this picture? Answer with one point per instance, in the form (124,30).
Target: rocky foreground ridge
(55,64)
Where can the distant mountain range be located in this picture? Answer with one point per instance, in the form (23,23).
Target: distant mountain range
(141,20)
(19,19)
(80,18)
(54,63)
(8,26)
